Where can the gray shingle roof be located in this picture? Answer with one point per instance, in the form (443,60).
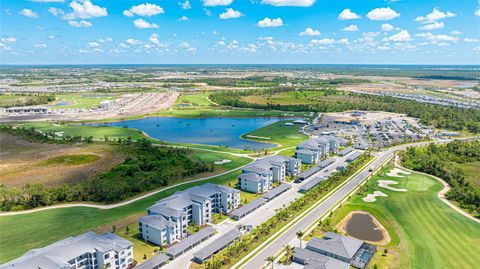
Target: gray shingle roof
(154,261)
(354,156)
(59,253)
(157,221)
(277,191)
(248,208)
(250,177)
(315,260)
(310,184)
(190,241)
(345,151)
(336,244)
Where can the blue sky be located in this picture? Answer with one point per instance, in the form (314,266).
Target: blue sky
(240,31)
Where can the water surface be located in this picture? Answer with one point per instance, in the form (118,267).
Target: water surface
(361,226)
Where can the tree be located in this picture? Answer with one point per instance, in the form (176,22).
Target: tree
(114,228)
(299,236)
(127,230)
(271,260)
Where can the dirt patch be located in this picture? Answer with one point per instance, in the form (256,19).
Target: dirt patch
(342,227)
(23,162)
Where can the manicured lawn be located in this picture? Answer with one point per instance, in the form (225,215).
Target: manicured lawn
(97,132)
(76,159)
(212,157)
(425,232)
(285,136)
(140,247)
(196,100)
(82,100)
(20,233)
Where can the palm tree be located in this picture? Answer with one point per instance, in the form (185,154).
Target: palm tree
(299,236)
(270,260)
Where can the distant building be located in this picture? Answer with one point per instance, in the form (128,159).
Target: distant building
(168,219)
(107,105)
(29,109)
(89,250)
(312,150)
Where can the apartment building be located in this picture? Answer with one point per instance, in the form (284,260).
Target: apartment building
(168,219)
(86,251)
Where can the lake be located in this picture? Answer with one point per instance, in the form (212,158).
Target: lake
(209,131)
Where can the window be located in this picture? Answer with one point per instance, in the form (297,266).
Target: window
(106,256)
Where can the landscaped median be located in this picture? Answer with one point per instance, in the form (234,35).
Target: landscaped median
(239,253)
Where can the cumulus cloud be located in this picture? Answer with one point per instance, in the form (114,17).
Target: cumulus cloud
(9,39)
(401,36)
(434,16)
(146,10)
(93,44)
(455,32)
(351,28)
(214,3)
(40,46)
(382,14)
(323,41)
(185,5)
(28,13)
(133,42)
(183,18)
(432,26)
(437,39)
(56,11)
(267,22)
(85,10)
(80,24)
(309,32)
(143,24)
(291,3)
(347,14)
(470,40)
(230,13)
(477,12)
(387,27)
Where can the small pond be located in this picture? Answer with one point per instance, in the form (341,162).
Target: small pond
(209,131)
(362,226)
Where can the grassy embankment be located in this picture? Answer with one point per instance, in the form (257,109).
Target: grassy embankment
(425,232)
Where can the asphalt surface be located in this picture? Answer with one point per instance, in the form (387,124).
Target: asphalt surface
(258,261)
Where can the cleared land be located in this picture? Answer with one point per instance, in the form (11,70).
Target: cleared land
(81,100)
(425,232)
(24,162)
(11,100)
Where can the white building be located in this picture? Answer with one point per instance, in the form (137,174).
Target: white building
(86,251)
(168,219)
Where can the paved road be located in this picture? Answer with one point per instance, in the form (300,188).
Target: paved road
(258,261)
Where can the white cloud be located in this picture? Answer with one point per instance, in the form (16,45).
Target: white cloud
(85,10)
(323,41)
(51,37)
(9,39)
(55,11)
(93,44)
(143,24)
(207,12)
(456,32)
(351,28)
(230,13)
(291,3)
(347,14)
(80,24)
(343,41)
(103,40)
(267,22)
(436,39)
(309,32)
(214,3)
(185,5)
(387,27)
(146,10)
(382,14)
(434,16)
(476,48)
(401,36)
(132,41)
(470,40)
(40,46)
(28,13)
(477,12)
(48,1)
(432,26)
(183,18)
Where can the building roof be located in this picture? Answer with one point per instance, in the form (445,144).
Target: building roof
(218,244)
(353,156)
(190,241)
(277,191)
(304,151)
(244,210)
(154,261)
(345,151)
(157,221)
(250,177)
(315,260)
(59,253)
(310,184)
(325,163)
(309,172)
(336,244)
(259,166)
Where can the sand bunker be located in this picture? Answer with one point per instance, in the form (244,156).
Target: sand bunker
(386,185)
(395,172)
(370,198)
(223,161)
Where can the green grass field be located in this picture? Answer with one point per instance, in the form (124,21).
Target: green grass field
(20,233)
(472,172)
(196,100)
(82,100)
(11,100)
(425,232)
(278,133)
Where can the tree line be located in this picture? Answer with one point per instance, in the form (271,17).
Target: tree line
(439,116)
(145,168)
(442,161)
